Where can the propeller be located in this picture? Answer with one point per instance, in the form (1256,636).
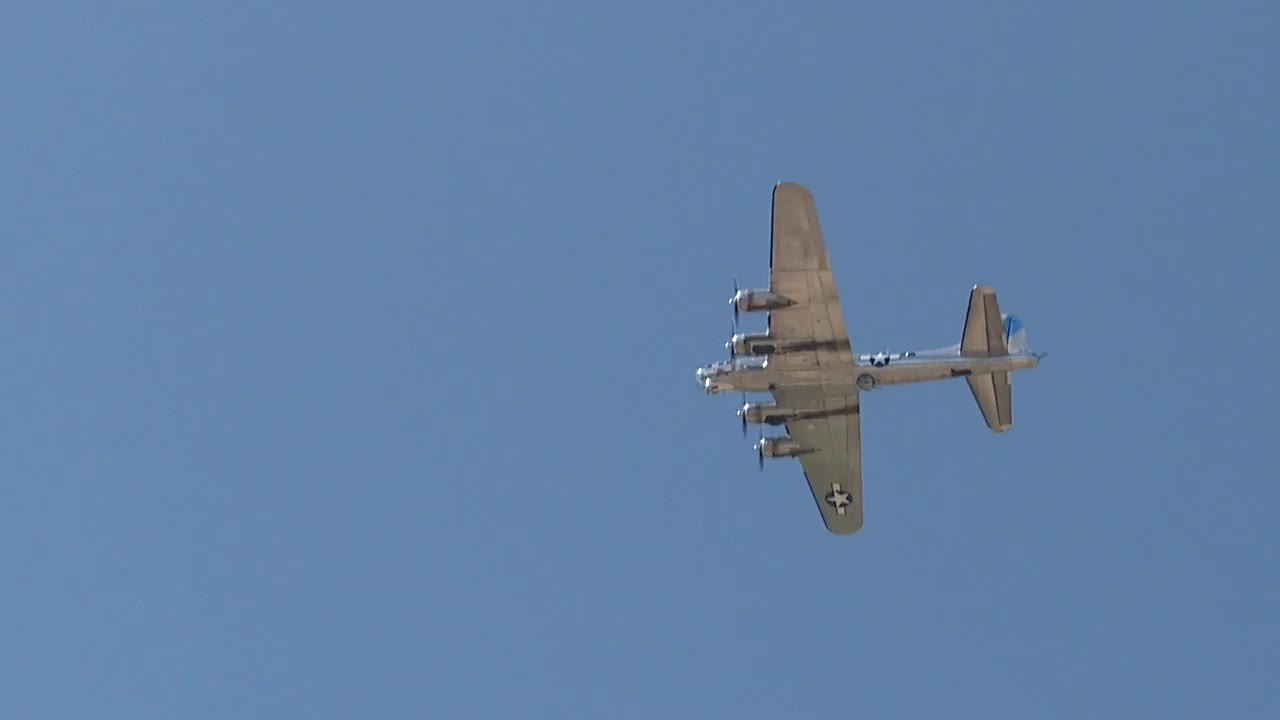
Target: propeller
(760,450)
(729,345)
(734,301)
(742,412)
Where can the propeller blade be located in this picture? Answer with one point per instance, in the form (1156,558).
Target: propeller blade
(734,301)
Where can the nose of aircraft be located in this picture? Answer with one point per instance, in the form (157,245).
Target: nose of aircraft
(704,378)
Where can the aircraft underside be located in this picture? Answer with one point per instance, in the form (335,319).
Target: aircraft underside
(805,359)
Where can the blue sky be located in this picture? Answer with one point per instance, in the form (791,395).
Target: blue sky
(350,353)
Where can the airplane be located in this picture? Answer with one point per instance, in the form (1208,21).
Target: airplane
(806,360)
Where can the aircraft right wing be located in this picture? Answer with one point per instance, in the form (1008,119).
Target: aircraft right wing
(829,427)
(811,332)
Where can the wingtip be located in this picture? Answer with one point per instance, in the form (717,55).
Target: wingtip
(791,189)
(845,530)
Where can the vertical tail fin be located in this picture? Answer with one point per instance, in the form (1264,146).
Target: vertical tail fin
(1015,334)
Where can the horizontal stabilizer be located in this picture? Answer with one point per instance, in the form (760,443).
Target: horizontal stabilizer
(994,394)
(988,333)
(984,331)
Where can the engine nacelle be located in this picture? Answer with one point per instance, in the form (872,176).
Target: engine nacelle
(759,300)
(751,344)
(763,413)
(776,447)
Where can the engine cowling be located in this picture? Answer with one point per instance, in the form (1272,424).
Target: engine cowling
(759,300)
(776,447)
(751,344)
(763,413)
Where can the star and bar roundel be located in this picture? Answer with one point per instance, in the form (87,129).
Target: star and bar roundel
(839,499)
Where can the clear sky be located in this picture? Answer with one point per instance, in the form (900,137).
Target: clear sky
(349,351)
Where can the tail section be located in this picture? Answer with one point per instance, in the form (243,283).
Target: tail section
(990,333)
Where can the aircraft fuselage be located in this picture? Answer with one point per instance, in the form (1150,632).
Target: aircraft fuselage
(762,376)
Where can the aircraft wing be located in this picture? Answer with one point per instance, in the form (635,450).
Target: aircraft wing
(811,332)
(829,427)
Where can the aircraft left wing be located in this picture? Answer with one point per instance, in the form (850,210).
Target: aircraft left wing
(811,332)
(829,429)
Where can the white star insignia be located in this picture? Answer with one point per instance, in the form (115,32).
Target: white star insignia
(838,499)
